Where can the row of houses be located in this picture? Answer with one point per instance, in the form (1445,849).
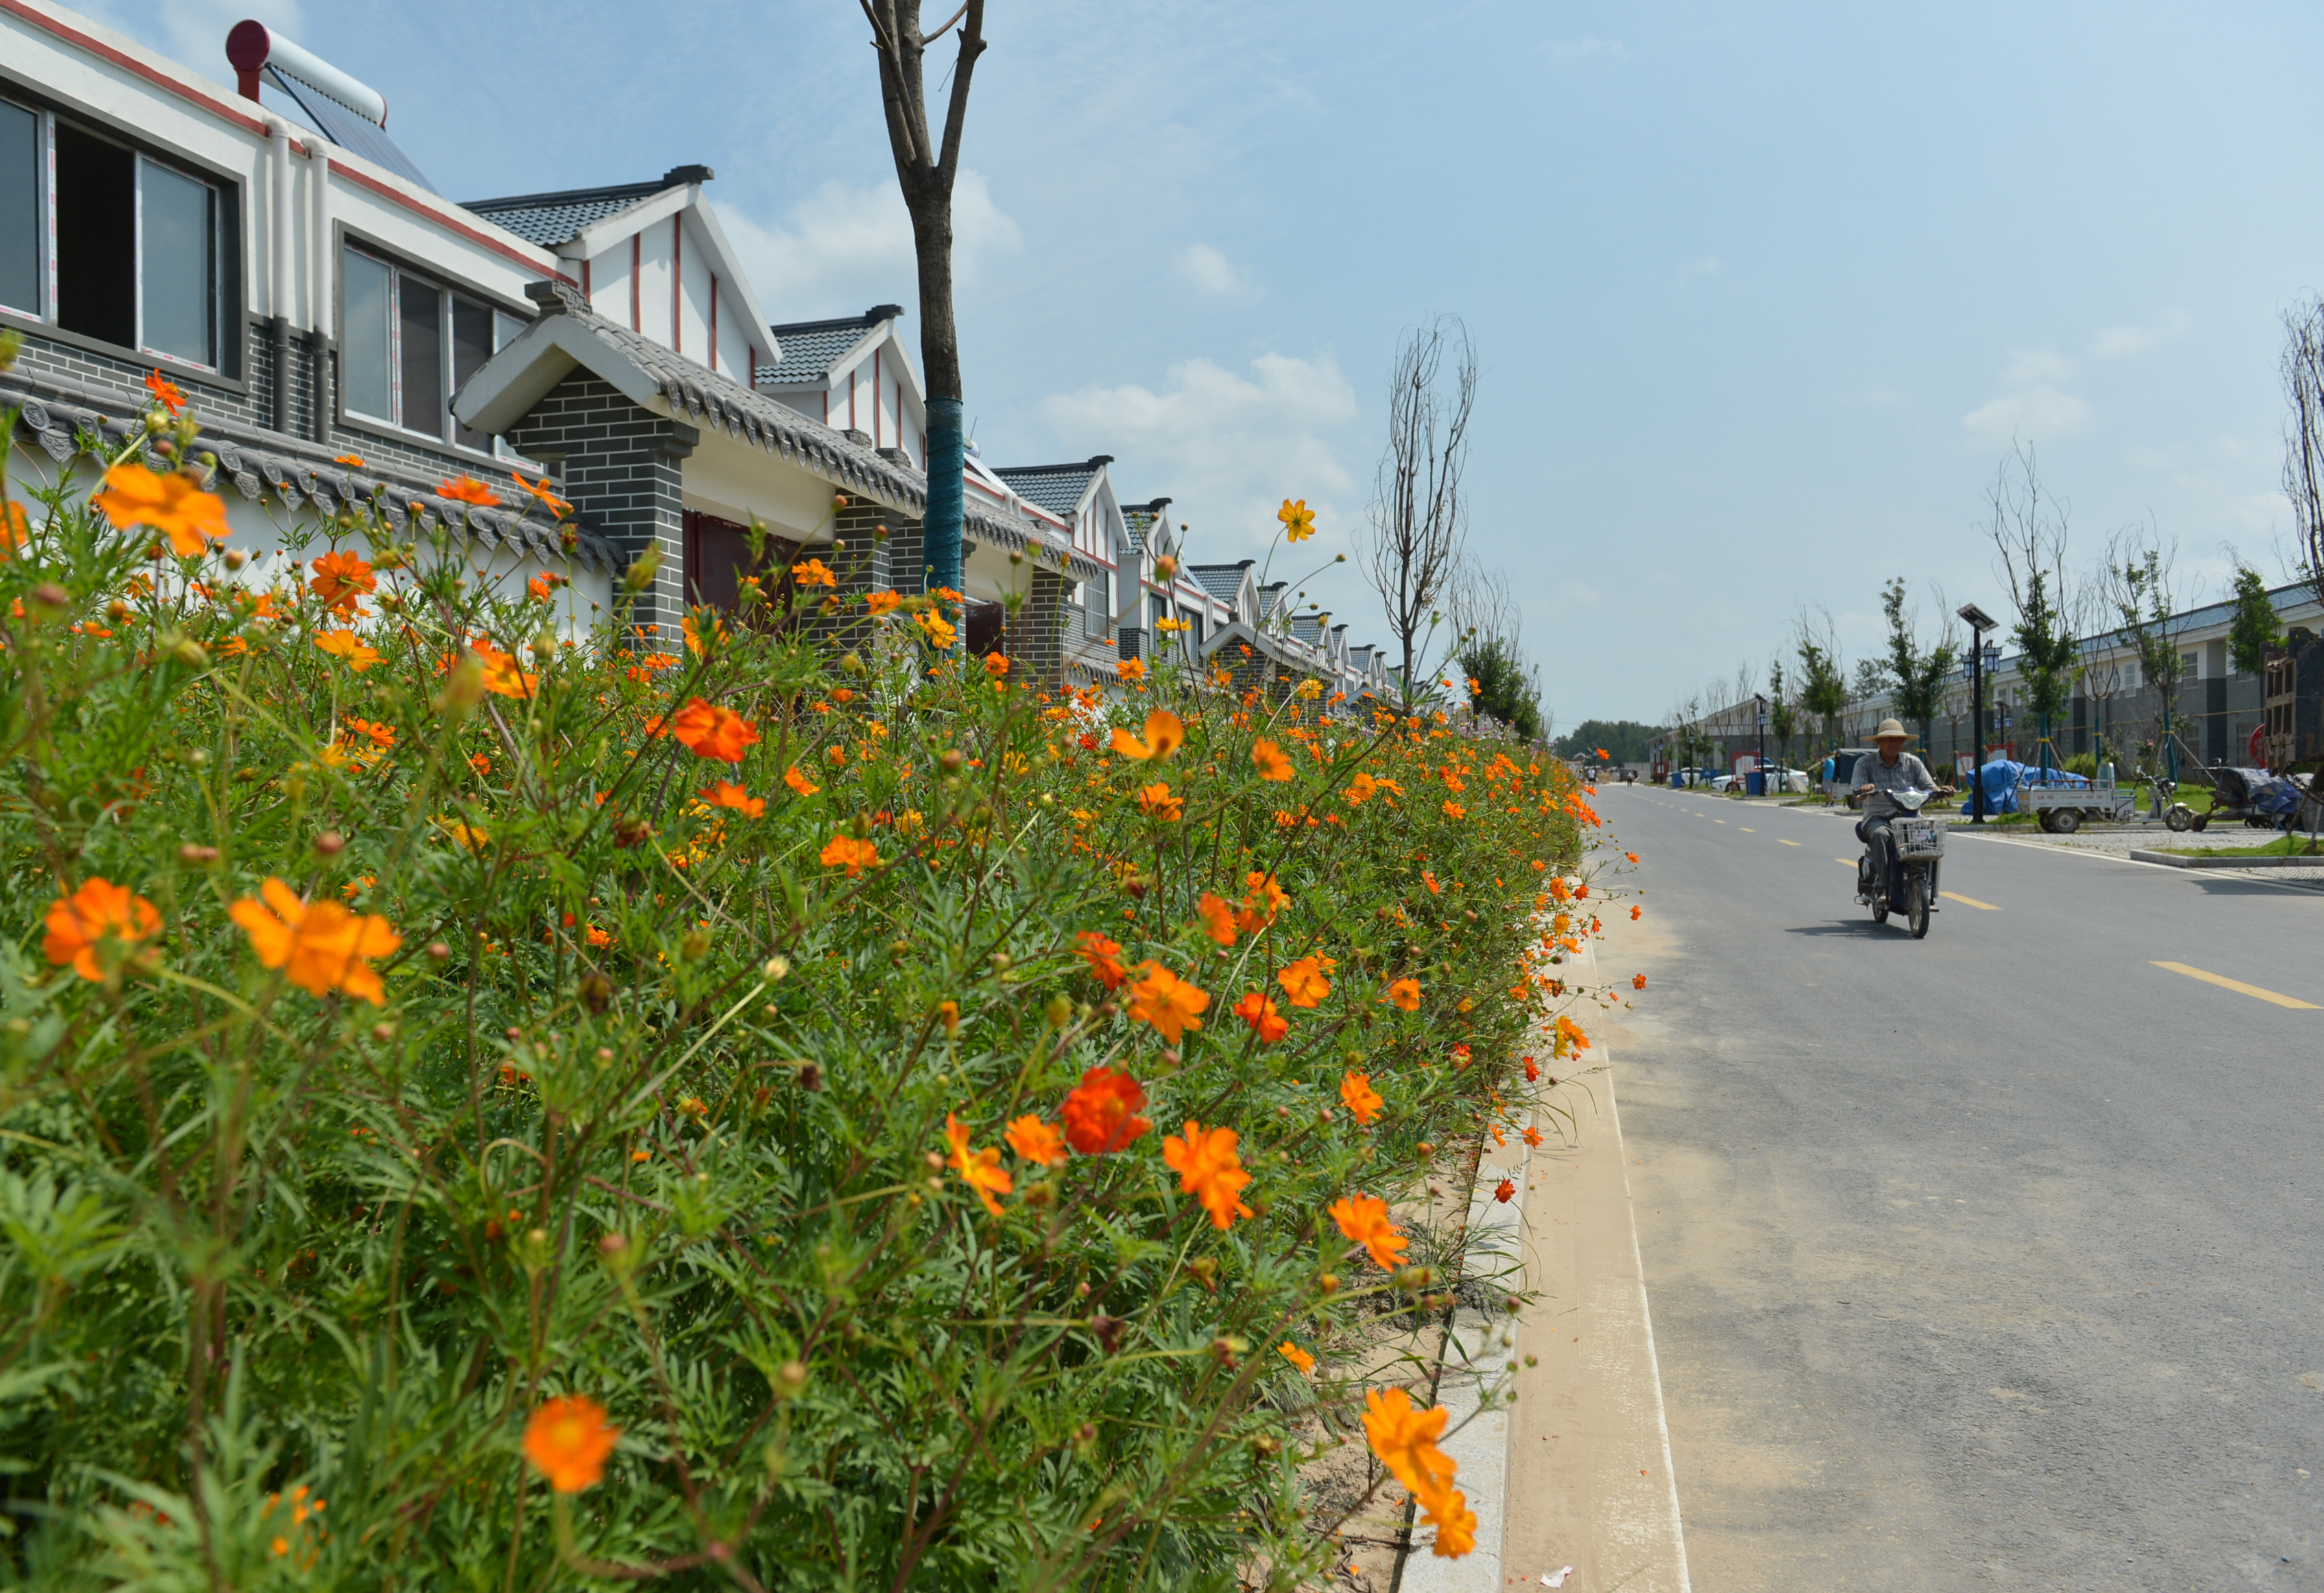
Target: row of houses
(347,334)
(2217,713)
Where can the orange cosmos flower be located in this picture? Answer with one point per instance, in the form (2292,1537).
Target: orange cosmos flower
(1103,957)
(1569,1034)
(1271,761)
(568,1440)
(1101,1115)
(1405,1439)
(359,654)
(1159,997)
(722,793)
(1404,993)
(342,580)
(1130,669)
(15,530)
(709,731)
(1298,519)
(1363,1218)
(1262,899)
(1455,1524)
(1360,788)
(1218,918)
(166,393)
(382,735)
(100,917)
(1164,735)
(845,852)
(1208,1170)
(799,782)
(1304,980)
(939,630)
(996,664)
(1154,801)
(320,946)
(814,572)
(1638,981)
(1296,1356)
(694,642)
(1363,1102)
(1455,810)
(171,504)
(1634,912)
(1533,1070)
(352,461)
(1035,1141)
(543,586)
(540,493)
(979,1169)
(1505,1192)
(502,676)
(1428,878)
(883,603)
(467,489)
(1533,1137)
(1258,1011)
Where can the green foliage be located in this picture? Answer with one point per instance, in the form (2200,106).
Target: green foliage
(2254,632)
(1919,677)
(650,1104)
(1824,685)
(1502,687)
(1783,720)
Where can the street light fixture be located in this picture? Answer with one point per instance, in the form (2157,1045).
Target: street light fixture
(1982,656)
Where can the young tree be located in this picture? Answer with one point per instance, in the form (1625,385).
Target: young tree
(1918,678)
(2138,576)
(2254,632)
(2029,533)
(1823,677)
(2303,436)
(1418,516)
(1782,721)
(925,169)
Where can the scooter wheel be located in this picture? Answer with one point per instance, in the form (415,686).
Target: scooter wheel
(2202,823)
(1916,916)
(2178,817)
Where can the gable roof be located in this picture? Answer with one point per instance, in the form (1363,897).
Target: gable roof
(1057,488)
(568,334)
(550,220)
(810,348)
(1221,581)
(1138,517)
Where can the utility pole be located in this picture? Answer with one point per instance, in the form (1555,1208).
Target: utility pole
(1760,698)
(1978,623)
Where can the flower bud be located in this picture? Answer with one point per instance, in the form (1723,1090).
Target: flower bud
(790,1379)
(640,573)
(330,844)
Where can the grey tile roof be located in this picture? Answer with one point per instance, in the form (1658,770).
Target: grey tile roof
(1139,516)
(550,220)
(714,399)
(1057,488)
(1221,581)
(809,347)
(290,470)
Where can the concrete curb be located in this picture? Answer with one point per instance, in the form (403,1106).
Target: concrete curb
(2172,859)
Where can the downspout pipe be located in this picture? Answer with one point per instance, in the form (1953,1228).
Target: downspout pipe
(318,286)
(278,286)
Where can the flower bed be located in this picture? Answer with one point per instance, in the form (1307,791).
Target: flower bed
(780,1104)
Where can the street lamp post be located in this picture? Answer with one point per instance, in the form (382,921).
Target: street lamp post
(1761,700)
(1979,622)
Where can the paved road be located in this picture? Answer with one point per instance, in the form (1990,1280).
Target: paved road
(1989,1261)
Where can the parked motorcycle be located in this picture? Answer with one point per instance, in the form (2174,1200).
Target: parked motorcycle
(1920,848)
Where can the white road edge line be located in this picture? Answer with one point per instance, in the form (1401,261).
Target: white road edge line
(2108,857)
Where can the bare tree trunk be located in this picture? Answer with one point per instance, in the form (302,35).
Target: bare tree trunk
(925,172)
(1418,515)
(2303,436)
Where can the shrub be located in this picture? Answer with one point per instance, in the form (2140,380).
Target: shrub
(780,1103)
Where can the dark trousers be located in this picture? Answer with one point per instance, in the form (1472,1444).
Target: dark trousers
(1875,834)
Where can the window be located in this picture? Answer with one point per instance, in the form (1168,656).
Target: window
(406,345)
(120,246)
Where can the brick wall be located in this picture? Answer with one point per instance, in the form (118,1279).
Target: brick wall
(1034,635)
(618,466)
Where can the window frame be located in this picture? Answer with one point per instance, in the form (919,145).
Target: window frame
(229,292)
(505,312)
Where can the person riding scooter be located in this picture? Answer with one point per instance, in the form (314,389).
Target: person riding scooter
(1879,773)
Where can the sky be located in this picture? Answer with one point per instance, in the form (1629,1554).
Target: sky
(1761,295)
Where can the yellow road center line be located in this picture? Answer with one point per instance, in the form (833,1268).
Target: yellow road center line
(1781,841)
(1969,901)
(2237,986)
(1747,830)
(1719,820)
(1845,863)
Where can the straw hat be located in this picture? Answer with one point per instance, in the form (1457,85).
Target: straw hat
(1889,727)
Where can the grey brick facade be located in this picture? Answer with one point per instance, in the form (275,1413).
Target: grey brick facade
(618,466)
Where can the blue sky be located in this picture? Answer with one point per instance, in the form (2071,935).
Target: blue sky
(1762,293)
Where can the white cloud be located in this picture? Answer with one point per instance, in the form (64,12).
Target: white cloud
(842,248)
(2036,414)
(2030,366)
(2037,409)
(1709,265)
(1226,449)
(1564,49)
(2120,341)
(1210,271)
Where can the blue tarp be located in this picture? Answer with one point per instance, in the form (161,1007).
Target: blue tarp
(2000,779)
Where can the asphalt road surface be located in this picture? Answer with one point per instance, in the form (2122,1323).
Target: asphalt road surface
(1989,1261)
